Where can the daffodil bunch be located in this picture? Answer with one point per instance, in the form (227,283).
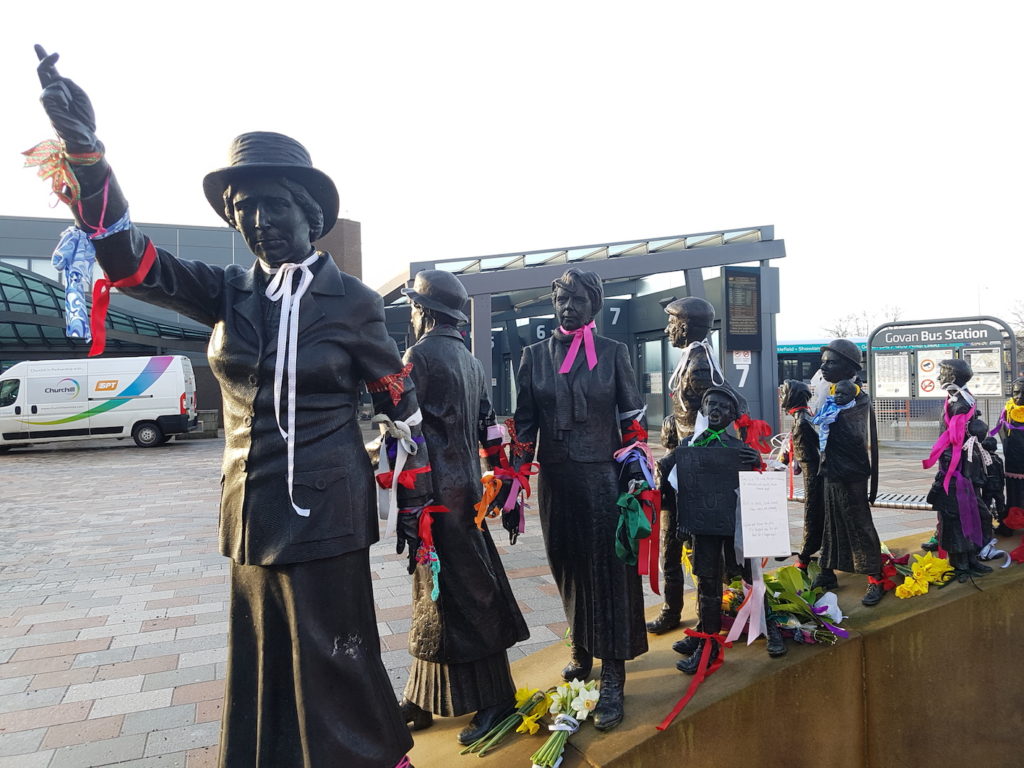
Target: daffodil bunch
(927,569)
(571,703)
(531,704)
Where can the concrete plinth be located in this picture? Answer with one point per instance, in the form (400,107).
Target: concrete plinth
(916,679)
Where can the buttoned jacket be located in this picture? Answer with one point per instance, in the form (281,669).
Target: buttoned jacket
(342,342)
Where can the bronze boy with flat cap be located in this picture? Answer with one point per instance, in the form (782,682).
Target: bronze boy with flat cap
(293,337)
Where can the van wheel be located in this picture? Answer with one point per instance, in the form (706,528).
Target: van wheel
(147,434)
(4,448)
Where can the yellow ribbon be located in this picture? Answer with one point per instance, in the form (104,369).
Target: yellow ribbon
(1014,411)
(491,485)
(54,163)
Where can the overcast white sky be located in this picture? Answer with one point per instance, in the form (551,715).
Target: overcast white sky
(882,139)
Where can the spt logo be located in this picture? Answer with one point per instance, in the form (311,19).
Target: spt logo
(106,385)
(64,387)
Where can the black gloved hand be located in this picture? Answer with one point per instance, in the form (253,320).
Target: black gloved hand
(499,501)
(67,105)
(408,532)
(510,522)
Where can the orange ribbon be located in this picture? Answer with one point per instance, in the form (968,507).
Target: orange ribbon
(54,163)
(492,485)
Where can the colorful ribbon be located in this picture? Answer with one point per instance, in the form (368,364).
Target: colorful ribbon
(647,561)
(518,448)
(633,526)
(101,298)
(401,432)
(751,611)
(581,336)
(989,552)
(641,453)
(704,670)
(393,383)
(826,416)
(712,434)
(426,554)
(54,163)
(953,438)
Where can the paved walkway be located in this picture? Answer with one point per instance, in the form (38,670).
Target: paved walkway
(113,601)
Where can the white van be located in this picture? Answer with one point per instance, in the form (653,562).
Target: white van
(149,398)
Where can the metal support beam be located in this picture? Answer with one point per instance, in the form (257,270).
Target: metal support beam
(481,324)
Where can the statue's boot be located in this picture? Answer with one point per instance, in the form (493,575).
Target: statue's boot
(671,610)
(874,593)
(609,711)
(686,646)
(690,664)
(484,720)
(826,580)
(414,715)
(580,663)
(974,565)
(773,632)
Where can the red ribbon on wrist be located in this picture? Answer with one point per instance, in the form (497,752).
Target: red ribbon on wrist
(101,298)
(634,433)
(757,432)
(393,383)
(406,478)
(521,475)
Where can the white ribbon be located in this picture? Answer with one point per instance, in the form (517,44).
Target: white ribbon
(677,373)
(971,445)
(953,390)
(281,289)
(989,552)
(638,414)
(401,431)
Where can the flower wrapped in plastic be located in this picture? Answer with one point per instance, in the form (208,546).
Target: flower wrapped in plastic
(531,704)
(571,704)
(807,613)
(926,570)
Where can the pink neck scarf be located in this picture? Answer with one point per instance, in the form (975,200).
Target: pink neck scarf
(584,336)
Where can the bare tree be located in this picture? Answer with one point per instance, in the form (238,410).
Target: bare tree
(863,322)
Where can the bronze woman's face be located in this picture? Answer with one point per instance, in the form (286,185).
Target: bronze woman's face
(271,222)
(573,309)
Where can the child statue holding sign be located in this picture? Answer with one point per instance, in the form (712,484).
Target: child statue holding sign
(707,491)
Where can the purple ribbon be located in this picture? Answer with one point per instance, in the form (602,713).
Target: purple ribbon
(837,631)
(967,503)
(581,336)
(1004,423)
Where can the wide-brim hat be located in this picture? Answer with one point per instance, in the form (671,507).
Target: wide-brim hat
(263,153)
(440,291)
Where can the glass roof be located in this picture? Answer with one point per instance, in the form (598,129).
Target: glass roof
(526,259)
(25,292)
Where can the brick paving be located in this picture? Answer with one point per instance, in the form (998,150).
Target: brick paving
(113,601)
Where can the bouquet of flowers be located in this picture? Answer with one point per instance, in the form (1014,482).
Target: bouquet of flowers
(531,704)
(571,703)
(807,614)
(927,569)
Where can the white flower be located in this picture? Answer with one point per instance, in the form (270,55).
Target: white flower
(831,605)
(585,703)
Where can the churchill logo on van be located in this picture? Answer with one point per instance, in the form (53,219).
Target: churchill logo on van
(107,385)
(154,369)
(64,387)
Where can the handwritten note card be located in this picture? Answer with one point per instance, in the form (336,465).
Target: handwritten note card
(763,514)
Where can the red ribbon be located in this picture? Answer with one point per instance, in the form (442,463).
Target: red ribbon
(521,475)
(581,336)
(647,561)
(1014,518)
(426,524)
(393,383)
(101,298)
(634,433)
(406,478)
(703,671)
(518,448)
(757,432)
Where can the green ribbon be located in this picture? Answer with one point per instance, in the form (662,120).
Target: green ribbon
(633,526)
(712,434)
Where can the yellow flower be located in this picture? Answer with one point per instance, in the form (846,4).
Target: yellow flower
(523,695)
(542,705)
(930,568)
(911,587)
(529,724)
